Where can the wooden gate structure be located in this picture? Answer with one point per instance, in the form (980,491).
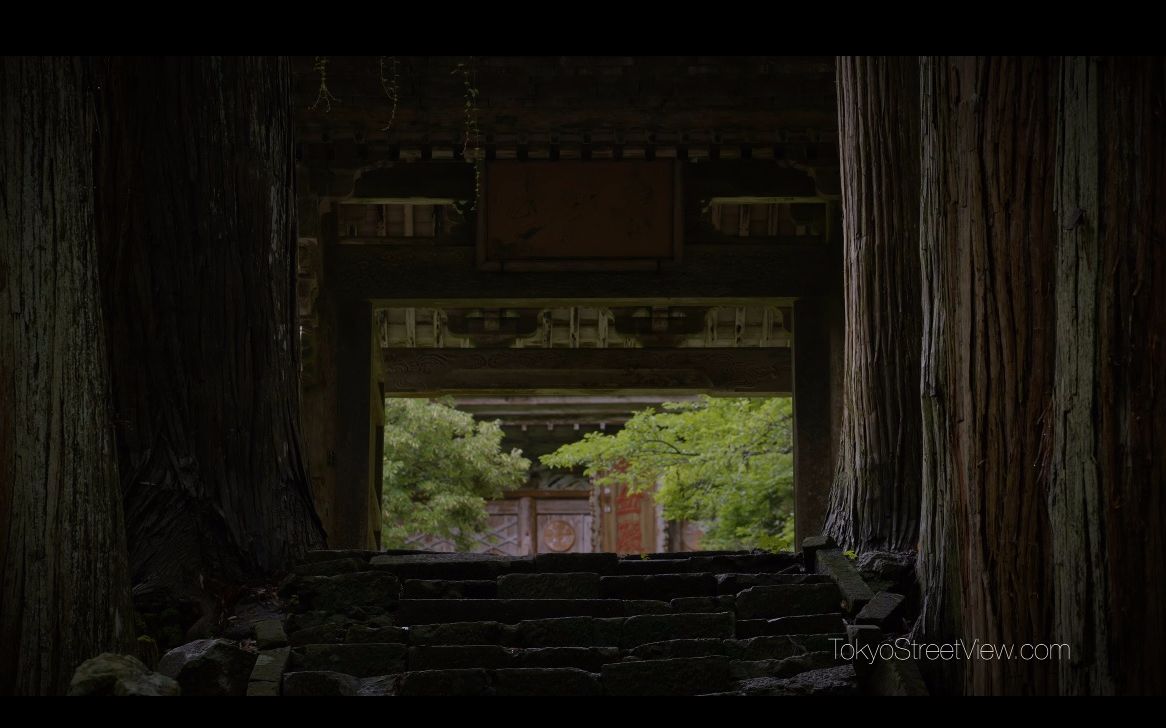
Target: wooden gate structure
(671,240)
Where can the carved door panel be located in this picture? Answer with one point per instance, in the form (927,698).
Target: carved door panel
(563,526)
(500,537)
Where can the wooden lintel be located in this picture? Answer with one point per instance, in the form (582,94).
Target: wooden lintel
(387,274)
(435,372)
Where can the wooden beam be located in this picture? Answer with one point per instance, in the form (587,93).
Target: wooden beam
(434,372)
(391,274)
(813,430)
(354,430)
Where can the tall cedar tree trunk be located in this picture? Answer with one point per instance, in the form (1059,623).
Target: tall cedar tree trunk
(197,234)
(987,242)
(875,498)
(65,594)
(1108,470)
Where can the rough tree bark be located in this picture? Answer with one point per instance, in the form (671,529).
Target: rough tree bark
(65,594)
(875,496)
(987,242)
(197,233)
(1106,505)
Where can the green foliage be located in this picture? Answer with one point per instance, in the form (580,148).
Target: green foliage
(726,463)
(440,469)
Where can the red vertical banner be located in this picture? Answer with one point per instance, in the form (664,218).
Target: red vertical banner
(629,530)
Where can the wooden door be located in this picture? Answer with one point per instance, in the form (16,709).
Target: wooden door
(562,525)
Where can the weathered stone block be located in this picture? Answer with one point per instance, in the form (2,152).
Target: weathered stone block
(855,592)
(318,683)
(269,634)
(882,610)
(359,633)
(318,635)
(457,633)
(113,674)
(663,587)
(435,589)
(564,631)
(322,555)
(733,583)
(262,689)
(766,602)
(685,676)
(449,567)
(445,682)
(661,627)
(674,649)
(270,665)
(209,667)
(752,563)
(339,594)
(632,607)
(827,681)
(581,562)
(808,624)
(448,657)
(508,611)
(812,545)
(358,660)
(330,568)
(704,604)
(378,686)
(554,681)
(564,585)
(765,648)
(639,567)
(590,659)
(784,667)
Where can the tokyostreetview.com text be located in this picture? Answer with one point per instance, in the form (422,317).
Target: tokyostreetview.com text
(903,649)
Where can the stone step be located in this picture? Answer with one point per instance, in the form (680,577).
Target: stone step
(675,554)
(340,633)
(752,649)
(341,592)
(561,585)
(839,680)
(807,624)
(512,611)
(358,660)
(734,583)
(371,660)
(583,631)
(681,676)
(546,681)
(507,611)
(658,586)
(448,589)
(442,657)
(784,667)
(726,603)
(647,628)
(767,602)
(748,628)
(562,681)
(591,585)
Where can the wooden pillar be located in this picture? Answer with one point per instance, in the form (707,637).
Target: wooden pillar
(353,429)
(813,417)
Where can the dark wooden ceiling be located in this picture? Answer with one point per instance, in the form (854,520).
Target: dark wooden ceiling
(569,99)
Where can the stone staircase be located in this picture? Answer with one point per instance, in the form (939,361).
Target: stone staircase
(417,623)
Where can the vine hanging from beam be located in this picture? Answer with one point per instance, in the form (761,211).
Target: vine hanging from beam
(323,95)
(391,86)
(472,132)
